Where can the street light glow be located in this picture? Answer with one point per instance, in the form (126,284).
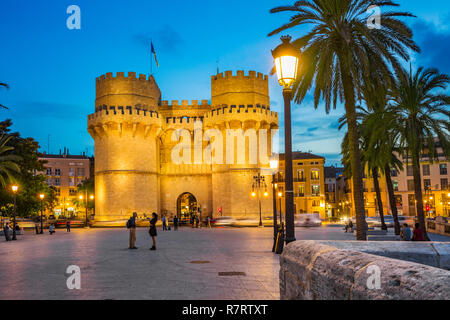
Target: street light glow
(42,196)
(286,62)
(15,188)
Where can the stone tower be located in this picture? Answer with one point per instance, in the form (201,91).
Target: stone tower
(124,127)
(241,103)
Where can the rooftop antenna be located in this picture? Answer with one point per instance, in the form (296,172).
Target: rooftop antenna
(48,144)
(218,60)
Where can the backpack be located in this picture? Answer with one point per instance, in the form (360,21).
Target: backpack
(128,224)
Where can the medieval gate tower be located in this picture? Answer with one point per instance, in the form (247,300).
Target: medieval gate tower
(133,131)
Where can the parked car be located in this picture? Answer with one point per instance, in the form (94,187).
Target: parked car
(308,220)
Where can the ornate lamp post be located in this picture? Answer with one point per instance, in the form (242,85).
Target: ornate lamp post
(42,196)
(258,182)
(14,189)
(274,167)
(286,62)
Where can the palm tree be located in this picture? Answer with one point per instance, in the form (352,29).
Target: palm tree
(382,150)
(419,116)
(4,85)
(338,54)
(8,162)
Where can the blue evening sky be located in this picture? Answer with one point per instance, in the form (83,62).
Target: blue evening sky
(52,70)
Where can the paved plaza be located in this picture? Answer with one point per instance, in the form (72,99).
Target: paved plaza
(185,266)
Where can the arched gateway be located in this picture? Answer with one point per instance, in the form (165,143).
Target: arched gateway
(186,207)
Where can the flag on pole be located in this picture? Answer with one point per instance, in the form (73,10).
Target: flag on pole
(154,54)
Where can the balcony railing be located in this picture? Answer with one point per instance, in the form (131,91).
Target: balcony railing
(299,179)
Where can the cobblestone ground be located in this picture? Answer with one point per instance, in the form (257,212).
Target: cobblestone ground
(34,267)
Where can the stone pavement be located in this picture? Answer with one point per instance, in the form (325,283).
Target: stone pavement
(35,266)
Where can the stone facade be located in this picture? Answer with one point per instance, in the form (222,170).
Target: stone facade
(137,135)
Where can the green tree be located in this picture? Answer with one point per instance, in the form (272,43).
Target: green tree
(339,53)
(9,169)
(31,184)
(419,114)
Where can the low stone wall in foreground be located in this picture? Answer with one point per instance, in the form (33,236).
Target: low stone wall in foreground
(310,270)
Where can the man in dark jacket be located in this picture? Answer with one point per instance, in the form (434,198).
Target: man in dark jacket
(131,225)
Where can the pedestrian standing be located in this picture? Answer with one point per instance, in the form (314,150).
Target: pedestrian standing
(152,230)
(197,220)
(131,225)
(51,229)
(192,221)
(68,223)
(164,222)
(208,222)
(6,232)
(175,223)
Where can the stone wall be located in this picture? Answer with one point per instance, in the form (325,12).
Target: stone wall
(313,271)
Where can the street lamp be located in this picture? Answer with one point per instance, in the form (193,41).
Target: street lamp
(258,182)
(274,167)
(42,196)
(14,190)
(286,58)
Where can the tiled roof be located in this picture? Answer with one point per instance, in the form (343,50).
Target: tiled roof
(302,156)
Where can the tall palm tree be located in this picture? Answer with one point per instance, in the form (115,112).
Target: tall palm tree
(420,114)
(338,54)
(4,85)
(383,151)
(8,162)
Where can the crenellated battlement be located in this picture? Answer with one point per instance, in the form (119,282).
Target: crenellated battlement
(243,109)
(121,75)
(185,103)
(104,111)
(240,75)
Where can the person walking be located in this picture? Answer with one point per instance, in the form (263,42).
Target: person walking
(208,222)
(192,221)
(6,232)
(175,223)
(418,233)
(131,225)
(197,221)
(51,229)
(68,223)
(405,233)
(152,230)
(164,222)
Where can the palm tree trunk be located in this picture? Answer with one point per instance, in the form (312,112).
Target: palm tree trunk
(379,201)
(418,194)
(392,201)
(355,158)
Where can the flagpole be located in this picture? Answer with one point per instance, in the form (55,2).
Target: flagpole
(151,58)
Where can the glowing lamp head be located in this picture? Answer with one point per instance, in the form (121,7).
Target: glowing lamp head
(273,164)
(266,194)
(286,58)
(253,194)
(15,188)
(80,197)
(92,197)
(42,196)
(280,194)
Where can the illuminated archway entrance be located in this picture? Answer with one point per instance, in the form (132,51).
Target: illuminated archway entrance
(186,207)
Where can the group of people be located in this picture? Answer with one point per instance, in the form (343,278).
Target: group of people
(416,235)
(7,230)
(131,225)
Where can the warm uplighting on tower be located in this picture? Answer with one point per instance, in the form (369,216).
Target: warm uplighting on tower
(253,194)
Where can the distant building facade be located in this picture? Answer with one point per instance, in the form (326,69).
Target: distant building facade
(65,172)
(309,183)
(435,177)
